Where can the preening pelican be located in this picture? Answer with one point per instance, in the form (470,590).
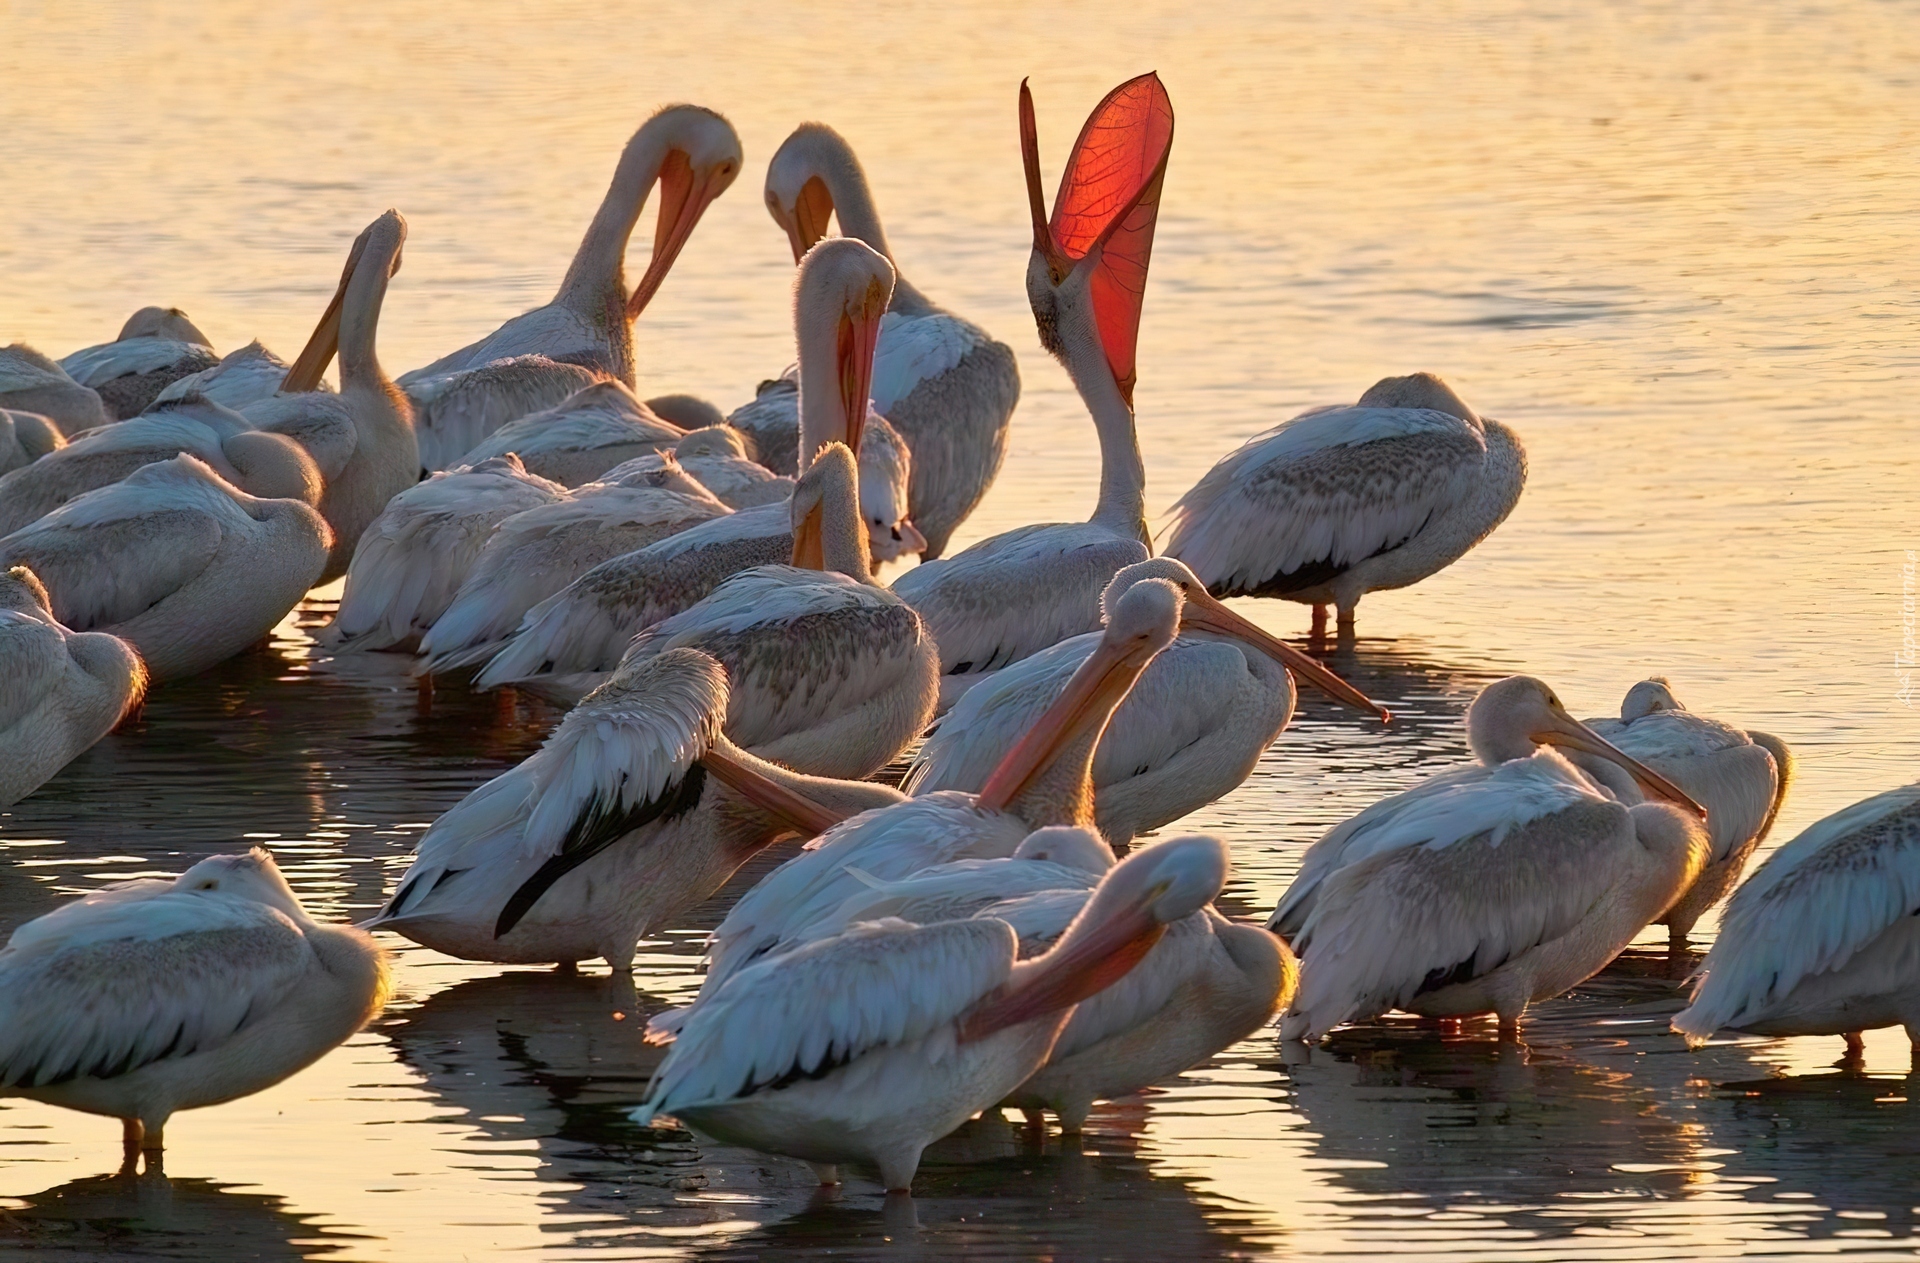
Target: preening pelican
(155,348)
(718,456)
(828,672)
(943,382)
(871,1045)
(694,154)
(148,997)
(413,559)
(1740,777)
(582,437)
(177,560)
(30,382)
(1015,594)
(1339,502)
(634,810)
(1486,889)
(1824,938)
(241,378)
(1189,732)
(60,691)
(24,438)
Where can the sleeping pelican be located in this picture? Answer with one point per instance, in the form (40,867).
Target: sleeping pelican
(717,455)
(582,437)
(694,154)
(870,1046)
(187,567)
(60,691)
(1486,889)
(1015,594)
(155,348)
(943,382)
(1824,938)
(634,810)
(148,997)
(30,382)
(1339,502)
(25,437)
(828,672)
(1740,777)
(241,379)
(413,559)
(1190,731)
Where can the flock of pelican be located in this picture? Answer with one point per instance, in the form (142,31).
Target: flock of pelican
(701,590)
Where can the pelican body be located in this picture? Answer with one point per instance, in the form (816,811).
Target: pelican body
(30,382)
(155,348)
(25,437)
(582,437)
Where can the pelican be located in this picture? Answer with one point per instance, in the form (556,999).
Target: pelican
(1339,502)
(1015,594)
(634,810)
(1189,732)
(689,412)
(241,378)
(566,643)
(24,438)
(410,562)
(869,1046)
(362,438)
(582,437)
(717,455)
(155,348)
(943,382)
(30,382)
(60,691)
(829,673)
(537,553)
(694,154)
(1487,889)
(148,997)
(271,466)
(1824,938)
(1741,778)
(187,567)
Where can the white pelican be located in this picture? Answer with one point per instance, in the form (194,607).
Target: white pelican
(634,810)
(148,997)
(943,382)
(694,154)
(176,560)
(30,382)
(564,643)
(537,553)
(582,437)
(1487,889)
(1740,777)
(828,672)
(1189,732)
(717,455)
(689,412)
(1824,938)
(362,438)
(869,1046)
(410,562)
(1015,594)
(241,378)
(25,437)
(155,348)
(272,466)
(60,691)
(1339,501)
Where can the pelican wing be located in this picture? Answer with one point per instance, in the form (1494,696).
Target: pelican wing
(913,348)
(454,409)
(33,662)
(1737,781)
(801,1015)
(243,377)
(98,365)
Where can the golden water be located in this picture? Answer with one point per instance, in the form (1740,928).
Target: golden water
(1674,247)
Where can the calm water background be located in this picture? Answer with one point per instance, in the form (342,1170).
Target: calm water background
(1674,246)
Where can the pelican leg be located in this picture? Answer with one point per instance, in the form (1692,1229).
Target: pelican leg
(132,1133)
(1073,1116)
(1509,1028)
(567,968)
(1856,1045)
(826,1172)
(1319,630)
(897,1168)
(1344,622)
(1035,1117)
(153,1140)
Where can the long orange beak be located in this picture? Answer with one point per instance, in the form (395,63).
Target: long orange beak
(1089,698)
(305,371)
(684,197)
(858,334)
(1203,613)
(792,809)
(1069,974)
(808,223)
(1575,735)
(809,541)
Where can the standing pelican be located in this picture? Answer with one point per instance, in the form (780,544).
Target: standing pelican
(694,154)
(582,437)
(946,385)
(1339,502)
(634,810)
(1015,594)
(25,437)
(1486,891)
(155,348)
(177,560)
(1740,777)
(149,997)
(872,1045)
(60,691)
(1189,732)
(30,382)
(1824,938)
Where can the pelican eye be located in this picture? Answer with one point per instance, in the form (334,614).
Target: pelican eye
(208,885)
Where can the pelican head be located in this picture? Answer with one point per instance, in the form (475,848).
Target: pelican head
(379,245)
(1088,272)
(1647,697)
(1202,612)
(1417,390)
(800,180)
(251,876)
(831,479)
(1070,845)
(702,158)
(840,294)
(22,591)
(1513,717)
(712,440)
(886,472)
(162,322)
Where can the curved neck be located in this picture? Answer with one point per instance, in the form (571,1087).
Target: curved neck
(1062,792)
(1122,506)
(360,317)
(853,206)
(596,279)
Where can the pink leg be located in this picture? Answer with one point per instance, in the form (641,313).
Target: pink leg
(1319,631)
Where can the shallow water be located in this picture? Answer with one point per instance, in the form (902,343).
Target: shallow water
(1673,248)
